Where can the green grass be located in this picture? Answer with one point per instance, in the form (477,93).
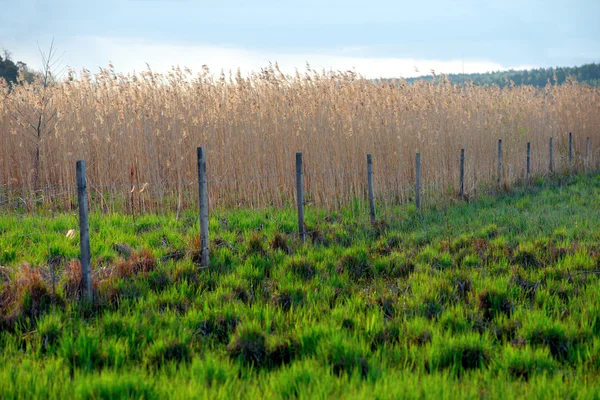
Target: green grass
(495,298)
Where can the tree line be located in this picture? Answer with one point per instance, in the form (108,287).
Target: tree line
(9,70)
(587,73)
(540,77)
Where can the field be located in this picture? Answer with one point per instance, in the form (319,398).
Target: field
(138,135)
(491,294)
(497,297)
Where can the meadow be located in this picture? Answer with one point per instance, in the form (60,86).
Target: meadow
(494,297)
(487,295)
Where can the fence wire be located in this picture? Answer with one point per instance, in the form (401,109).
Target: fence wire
(44,216)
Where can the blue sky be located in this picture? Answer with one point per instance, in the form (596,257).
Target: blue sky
(376,38)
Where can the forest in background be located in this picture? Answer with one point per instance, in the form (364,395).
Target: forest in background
(540,77)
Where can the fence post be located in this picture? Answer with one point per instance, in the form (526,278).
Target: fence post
(587,162)
(462,173)
(371,190)
(499,162)
(300,196)
(84,230)
(528,168)
(551,155)
(1,190)
(418,183)
(571,151)
(203,202)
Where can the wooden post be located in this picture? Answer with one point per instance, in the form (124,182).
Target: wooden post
(462,173)
(371,191)
(418,183)
(528,168)
(499,162)
(84,230)
(551,156)
(300,196)
(203,201)
(1,190)
(571,150)
(587,153)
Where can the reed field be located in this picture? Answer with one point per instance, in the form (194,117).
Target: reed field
(138,135)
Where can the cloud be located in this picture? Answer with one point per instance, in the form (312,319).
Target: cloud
(132,54)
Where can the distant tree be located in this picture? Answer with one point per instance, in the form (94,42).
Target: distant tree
(37,119)
(588,73)
(9,70)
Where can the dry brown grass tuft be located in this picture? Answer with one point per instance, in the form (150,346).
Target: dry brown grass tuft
(72,283)
(138,263)
(26,296)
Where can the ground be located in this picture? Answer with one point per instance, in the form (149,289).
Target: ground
(497,297)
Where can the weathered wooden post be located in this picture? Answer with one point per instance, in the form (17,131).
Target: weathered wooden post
(499,162)
(588,145)
(571,151)
(551,155)
(203,203)
(84,231)
(528,167)
(462,173)
(2,190)
(300,196)
(371,190)
(418,183)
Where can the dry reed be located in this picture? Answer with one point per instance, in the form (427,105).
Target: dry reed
(138,135)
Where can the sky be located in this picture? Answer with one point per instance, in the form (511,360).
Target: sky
(376,38)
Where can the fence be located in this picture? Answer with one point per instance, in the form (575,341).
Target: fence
(396,190)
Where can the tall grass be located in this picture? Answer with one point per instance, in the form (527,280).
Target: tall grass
(138,134)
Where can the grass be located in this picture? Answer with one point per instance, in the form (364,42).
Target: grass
(497,297)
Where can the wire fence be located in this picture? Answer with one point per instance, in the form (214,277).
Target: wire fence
(36,217)
(323,188)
